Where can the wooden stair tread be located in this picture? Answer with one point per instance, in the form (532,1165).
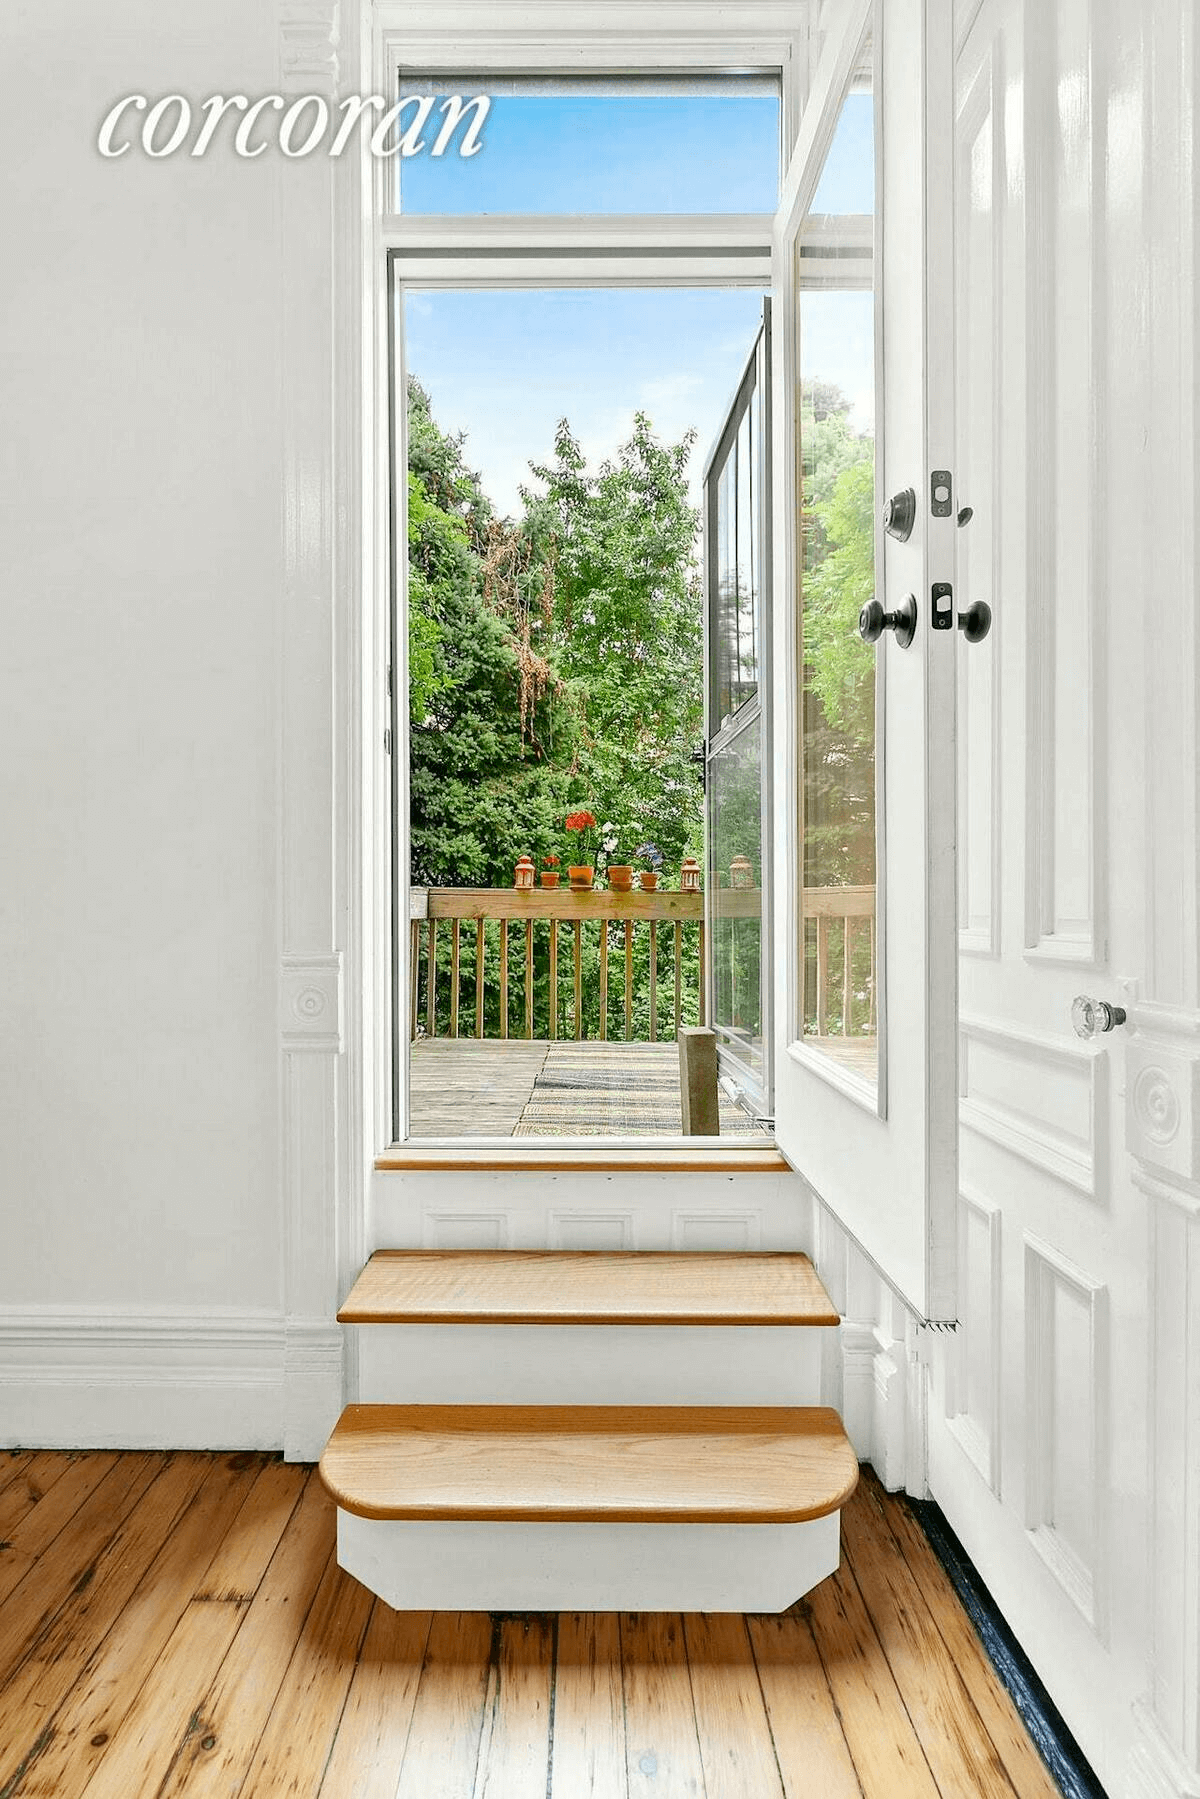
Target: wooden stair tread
(533,1286)
(590,1464)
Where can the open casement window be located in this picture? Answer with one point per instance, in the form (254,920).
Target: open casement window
(864,851)
(737,530)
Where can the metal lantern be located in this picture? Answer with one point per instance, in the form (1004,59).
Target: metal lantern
(523,873)
(689,875)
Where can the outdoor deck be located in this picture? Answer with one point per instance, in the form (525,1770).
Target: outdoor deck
(483,1087)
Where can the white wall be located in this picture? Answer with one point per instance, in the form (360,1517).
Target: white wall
(142,573)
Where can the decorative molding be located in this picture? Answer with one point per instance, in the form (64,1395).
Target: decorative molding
(978,1434)
(980,287)
(93,1377)
(309,35)
(1056,1519)
(578,1228)
(739,1228)
(1156,1770)
(1038,1135)
(465,1227)
(310,1003)
(1162,1090)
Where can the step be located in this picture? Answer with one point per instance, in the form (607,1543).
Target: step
(563,1508)
(585,1464)
(548,1287)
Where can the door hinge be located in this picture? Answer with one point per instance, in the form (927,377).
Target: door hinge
(941,493)
(387,741)
(389,681)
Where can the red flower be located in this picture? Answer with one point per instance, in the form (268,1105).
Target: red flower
(549,861)
(581,821)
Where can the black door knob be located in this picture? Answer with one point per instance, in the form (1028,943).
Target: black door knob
(976,621)
(873,621)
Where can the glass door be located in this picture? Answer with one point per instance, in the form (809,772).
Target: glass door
(737,748)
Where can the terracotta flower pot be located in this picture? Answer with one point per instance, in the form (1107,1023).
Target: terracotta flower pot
(581,877)
(549,877)
(620,877)
(648,879)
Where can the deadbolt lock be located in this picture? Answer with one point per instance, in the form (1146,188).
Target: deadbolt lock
(900,513)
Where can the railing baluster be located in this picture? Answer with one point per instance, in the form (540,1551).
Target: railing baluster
(578,983)
(504,977)
(653,982)
(871,1026)
(431,995)
(554,977)
(454,980)
(846,988)
(628,979)
(414,972)
(822,975)
(479,977)
(529,977)
(679,976)
(703,1008)
(603,980)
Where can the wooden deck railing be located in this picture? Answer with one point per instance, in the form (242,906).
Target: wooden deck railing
(438,912)
(854,909)
(453,907)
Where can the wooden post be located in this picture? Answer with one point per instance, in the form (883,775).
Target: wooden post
(847,988)
(678,977)
(479,977)
(698,1081)
(529,977)
(454,980)
(554,977)
(628,979)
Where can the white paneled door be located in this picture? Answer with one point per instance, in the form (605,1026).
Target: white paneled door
(1041,1447)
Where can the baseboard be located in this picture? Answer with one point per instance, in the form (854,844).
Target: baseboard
(1041,1717)
(91,1378)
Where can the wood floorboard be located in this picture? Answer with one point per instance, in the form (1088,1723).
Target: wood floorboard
(180,1628)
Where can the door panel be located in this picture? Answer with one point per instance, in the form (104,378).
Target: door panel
(876,1140)
(1037,1444)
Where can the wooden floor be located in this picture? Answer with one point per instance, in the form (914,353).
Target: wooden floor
(177,1624)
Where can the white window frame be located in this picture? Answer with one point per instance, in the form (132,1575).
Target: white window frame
(433,251)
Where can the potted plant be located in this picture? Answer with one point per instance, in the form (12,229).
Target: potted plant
(550,871)
(620,874)
(650,856)
(582,872)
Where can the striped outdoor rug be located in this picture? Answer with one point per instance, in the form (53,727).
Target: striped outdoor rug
(613,1090)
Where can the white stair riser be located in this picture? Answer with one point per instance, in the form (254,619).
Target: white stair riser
(589,1364)
(500,1567)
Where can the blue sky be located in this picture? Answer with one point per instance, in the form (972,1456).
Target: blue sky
(505,365)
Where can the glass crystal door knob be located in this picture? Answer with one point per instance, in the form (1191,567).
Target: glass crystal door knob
(1088,1016)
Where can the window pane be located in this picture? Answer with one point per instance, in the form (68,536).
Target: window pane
(735,887)
(690,145)
(837,411)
